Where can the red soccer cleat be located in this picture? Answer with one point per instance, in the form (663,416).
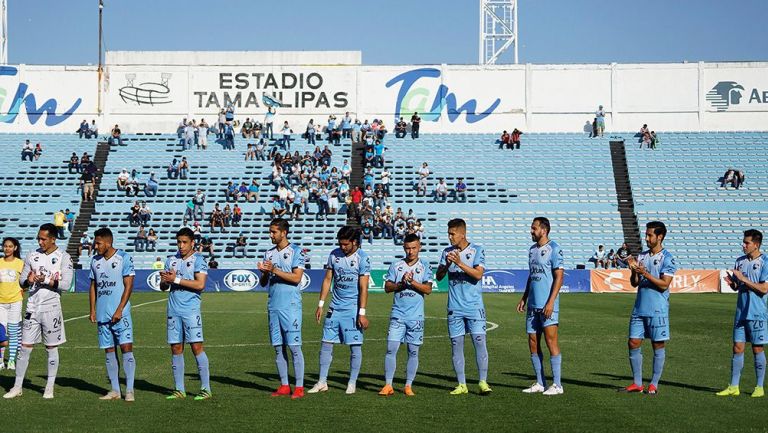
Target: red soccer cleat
(283,390)
(298,392)
(633,388)
(651,390)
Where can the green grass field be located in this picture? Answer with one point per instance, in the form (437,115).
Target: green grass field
(593,342)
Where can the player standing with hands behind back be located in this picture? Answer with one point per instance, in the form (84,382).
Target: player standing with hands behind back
(184,275)
(542,293)
(464,263)
(749,277)
(47,271)
(652,274)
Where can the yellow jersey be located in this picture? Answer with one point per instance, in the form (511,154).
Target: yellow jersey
(10,272)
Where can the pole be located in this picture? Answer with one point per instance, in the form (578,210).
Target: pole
(100,71)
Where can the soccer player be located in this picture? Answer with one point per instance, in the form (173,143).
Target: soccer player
(749,277)
(349,268)
(282,271)
(545,262)
(410,279)
(111,277)
(652,274)
(47,271)
(185,274)
(464,263)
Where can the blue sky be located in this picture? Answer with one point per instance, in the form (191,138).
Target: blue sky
(395,31)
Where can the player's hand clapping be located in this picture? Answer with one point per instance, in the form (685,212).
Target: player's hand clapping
(265,266)
(167,277)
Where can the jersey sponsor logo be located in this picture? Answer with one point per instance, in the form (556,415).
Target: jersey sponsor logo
(241,280)
(153,281)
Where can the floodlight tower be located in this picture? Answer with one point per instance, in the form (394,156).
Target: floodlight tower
(4,33)
(498,29)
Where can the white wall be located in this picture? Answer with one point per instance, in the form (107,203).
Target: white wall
(693,96)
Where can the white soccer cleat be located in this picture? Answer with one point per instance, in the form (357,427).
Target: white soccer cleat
(11,365)
(554,390)
(535,388)
(111,395)
(319,387)
(13,393)
(129,397)
(48,394)
(351,388)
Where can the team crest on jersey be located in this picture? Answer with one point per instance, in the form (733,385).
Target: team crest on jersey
(352,263)
(54,260)
(655,262)
(337,260)
(543,253)
(189,264)
(285,256)
(756,266)
(114,265)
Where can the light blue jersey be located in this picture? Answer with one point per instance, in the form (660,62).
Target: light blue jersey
(283,295)
(464,292)
(108,275)
(749,304)
(183,301)
(650,302)
(542,262)
(347,271)
(409,304)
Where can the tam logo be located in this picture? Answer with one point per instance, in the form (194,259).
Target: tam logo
(414,99)
(241,280)
(30,103)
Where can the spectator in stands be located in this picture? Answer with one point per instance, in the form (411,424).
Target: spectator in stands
(115,136)
(259,150)
(242,191)
(158,264)
(86,243)
(415,125)
(378,154)
(216,219)
(74,163)
(286,131)
(206,246)
(84,160)
(87,181)
(240,244)
(135,214)
(278,207)
(250,152)
(646,139)
(421,188)
(59,220)
(173,169)
(504,139)
(297,201)
(27,151)
(269,118)
(38,151)
(733,177)
(322,204)
(611,259)
(460,191)
(309,133)
(367,228)
(145,213)
(122,179)
(514,141)
(365,130)
(231,192)
(93,130)
(333,201)
(189,213)
(418,229)
(199,205)
(346,126)
(229,113)
(140,241)
(151,240)
(594,128)
(70,219)
(150,188)
(237,215)
(197,231)
(643,131)
(600,119)
(654,140)
(246,131)
(229,136)
(599,258)
(213,264)
(401,128)
(253,191)
(441,190)
(622,255)
(132,186)
(399,234)
(202,135)
(222,120)
(184,168)
(227,215)
(83,130)
(356,131)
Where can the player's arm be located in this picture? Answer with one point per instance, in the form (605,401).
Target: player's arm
(391,286)
(92,301)
(660,284)
(760,288)
(442,270)
(362,283)
(524,299)
(554,291)
(65,275)
(264,277)
(325,288)
(128,284)
(424,288)
(475,273)
(198,284)
(27,277)
(293,277)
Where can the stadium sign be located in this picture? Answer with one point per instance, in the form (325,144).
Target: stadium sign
(153,280)
(726,94)
(241,280)
(34,113)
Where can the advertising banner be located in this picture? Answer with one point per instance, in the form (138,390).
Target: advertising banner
(684,281)
(514,281)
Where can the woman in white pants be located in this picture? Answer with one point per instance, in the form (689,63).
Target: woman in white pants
(10,299)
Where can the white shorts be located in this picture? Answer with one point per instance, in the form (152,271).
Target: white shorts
(46,326)
(10,313)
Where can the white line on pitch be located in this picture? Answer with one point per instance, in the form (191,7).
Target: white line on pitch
(132,307)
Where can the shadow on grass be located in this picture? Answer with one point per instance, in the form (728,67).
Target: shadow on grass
(628,379)
(564,380)
(7,383)
(225,380)
(451,380)
(78,384)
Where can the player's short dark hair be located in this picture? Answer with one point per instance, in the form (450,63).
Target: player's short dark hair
(755,235)
(103,232)
(16,244)
(457,223)
(281,224)
(543,222)
(349,233)
(413,237)
(658,227)
(185,232)
(51,229)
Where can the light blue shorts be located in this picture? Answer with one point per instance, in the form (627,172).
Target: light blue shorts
(406,331)
(118,333)
(185,329)
(655,328)
(535,322)
(750,331)
(341,327)
(461,323)
(285,327)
